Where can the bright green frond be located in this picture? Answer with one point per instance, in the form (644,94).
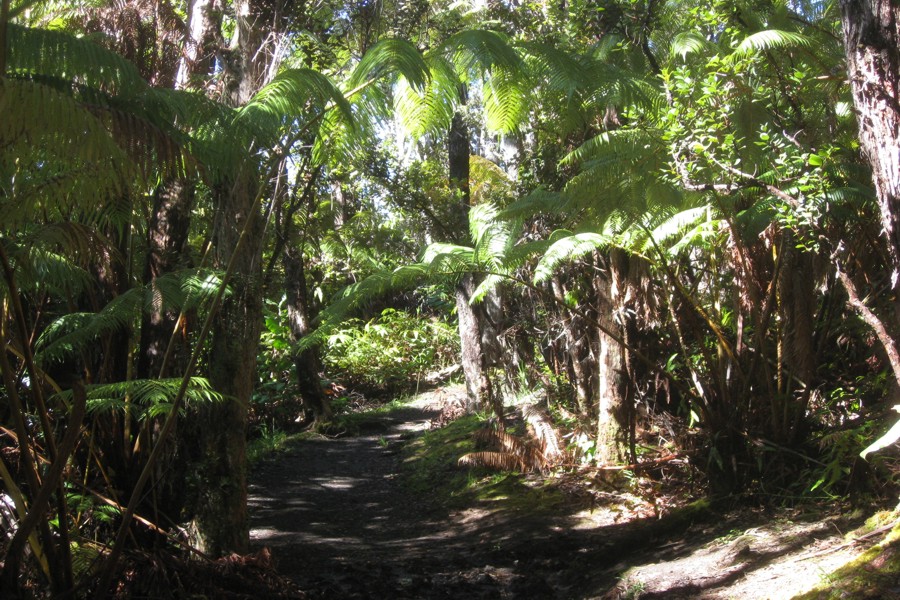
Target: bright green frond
(689,42)
(294,94)
(770,39)
(431,109)
(482,50)
(388,58)
(505,101)
(567,249)
(145,398)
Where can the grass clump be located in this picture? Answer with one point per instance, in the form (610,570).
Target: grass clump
(870,574)
(271,441)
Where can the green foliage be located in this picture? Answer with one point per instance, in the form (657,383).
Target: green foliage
(389,352)
(144,398)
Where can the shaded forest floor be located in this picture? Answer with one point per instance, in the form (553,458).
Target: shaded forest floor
(353,517)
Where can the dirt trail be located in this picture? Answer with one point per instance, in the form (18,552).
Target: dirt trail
(340,523)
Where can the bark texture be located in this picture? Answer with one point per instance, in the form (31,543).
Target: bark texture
(872,42)
(307,364)
(221,518)
(478,385)
(612,415)
(167,236)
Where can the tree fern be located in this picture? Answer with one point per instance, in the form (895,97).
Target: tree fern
(770,39)
(293,94)
(72,334)
(144,398)
(567,249)
(59,55)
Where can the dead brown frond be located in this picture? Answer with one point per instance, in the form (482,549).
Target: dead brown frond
(518,452)
(501,461)
(543,431)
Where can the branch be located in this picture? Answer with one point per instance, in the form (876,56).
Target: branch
(871,319)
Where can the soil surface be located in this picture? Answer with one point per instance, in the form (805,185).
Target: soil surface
(340,522)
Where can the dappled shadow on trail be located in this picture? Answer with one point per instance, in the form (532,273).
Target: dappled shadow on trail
(341,524)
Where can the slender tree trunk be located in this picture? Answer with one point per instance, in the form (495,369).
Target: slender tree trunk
(307,364)
(202,25)
(797,308)
(575,332)
(612,438)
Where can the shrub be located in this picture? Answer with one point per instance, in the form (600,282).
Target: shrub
(390,352)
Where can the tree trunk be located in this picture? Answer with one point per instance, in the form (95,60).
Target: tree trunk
(612,440)
(221,518)
(167,237)
(221,514)
(797,308)
(575,331)
(478,385)
(872,42)
(307,364)
(197,56)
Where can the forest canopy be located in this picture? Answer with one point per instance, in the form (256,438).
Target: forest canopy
(670,227)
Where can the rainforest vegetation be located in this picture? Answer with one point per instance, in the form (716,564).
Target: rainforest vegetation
(661,232)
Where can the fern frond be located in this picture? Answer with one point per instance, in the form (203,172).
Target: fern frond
(54,53)
(688,42)
(432,108)
(498,461)
(290,96)
(561,71)
(770,39)
(445,258)
(505,100)
(567,249)
(70,334)
(391,57)
(481,50)
(543,431)
(145,398)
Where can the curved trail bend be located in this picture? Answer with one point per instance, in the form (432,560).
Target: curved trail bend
(340,522)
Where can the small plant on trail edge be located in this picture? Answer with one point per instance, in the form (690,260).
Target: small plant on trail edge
(270,441)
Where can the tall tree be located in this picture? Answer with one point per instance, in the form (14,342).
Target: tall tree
(872,42)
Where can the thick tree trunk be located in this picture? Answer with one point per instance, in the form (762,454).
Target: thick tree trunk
(167,236)
(478,385)
(221,513)
(307,364)
(872,42)
(221,518)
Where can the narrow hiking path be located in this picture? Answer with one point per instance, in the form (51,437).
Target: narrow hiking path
(341,523)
